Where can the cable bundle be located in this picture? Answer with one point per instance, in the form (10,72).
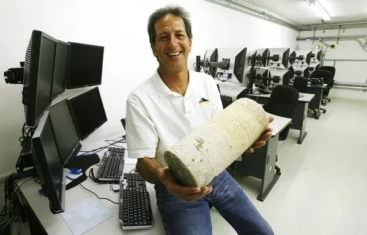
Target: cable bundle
(27,133)
(13,208)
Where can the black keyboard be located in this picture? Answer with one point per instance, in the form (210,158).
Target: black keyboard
(112,165)
(135,211)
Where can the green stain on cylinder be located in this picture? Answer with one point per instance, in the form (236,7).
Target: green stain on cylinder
(179,171)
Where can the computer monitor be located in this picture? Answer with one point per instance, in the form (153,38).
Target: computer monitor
(38,73)
(86,63)
(260,57)
(49,168)
(213,58)
(260,76)
(240,65)
(303,71)
(305,58)
(280,76)
(66,136)
(237,59)
(60,68)
(88,112)
(278,58)
(316,56)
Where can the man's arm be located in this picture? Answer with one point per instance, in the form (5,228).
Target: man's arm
(148,169)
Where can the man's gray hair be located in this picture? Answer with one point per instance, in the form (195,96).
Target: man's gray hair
(160,13)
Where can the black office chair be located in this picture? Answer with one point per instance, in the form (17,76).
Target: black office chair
(123,122)
(326,77)
(282,102)
(332,70)
(300,83)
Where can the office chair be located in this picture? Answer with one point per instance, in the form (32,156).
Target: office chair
(300,83)
(327,79)
(332,70)
(226,101)
(123,122)
(282,102)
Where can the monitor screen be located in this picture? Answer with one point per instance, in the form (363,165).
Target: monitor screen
(66,136)
(86,63)
(88,112)
(38,73)
(240,64)
(60,69)
(213,58)
(50,169)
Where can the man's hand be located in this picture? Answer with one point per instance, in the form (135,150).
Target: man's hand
(262,140)
(188,193)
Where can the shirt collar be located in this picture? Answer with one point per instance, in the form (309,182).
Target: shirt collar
(164,91)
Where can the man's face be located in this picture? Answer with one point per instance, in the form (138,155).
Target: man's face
(172,45)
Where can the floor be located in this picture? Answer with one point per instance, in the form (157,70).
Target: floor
(323,186)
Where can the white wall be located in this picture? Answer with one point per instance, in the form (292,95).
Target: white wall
(346,71)
(120,26)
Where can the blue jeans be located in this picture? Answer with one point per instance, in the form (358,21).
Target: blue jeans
(193,218)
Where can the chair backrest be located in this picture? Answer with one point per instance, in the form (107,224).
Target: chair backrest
(123,122)
(283,101)
(300,83)
(326,75)
(330,69)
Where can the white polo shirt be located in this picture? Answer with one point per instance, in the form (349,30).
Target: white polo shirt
(158,118)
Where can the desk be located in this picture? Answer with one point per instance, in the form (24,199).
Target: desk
(315,103)
(55,225)
(230,89)
(300,113)
(261,163)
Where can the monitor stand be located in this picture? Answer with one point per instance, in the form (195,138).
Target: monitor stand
(83,162)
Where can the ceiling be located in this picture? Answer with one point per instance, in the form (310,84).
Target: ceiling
(298,11)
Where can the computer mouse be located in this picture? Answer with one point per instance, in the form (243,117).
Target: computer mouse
(75,171)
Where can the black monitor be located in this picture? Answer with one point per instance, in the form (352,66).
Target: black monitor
(66,136)
(280,76)
(278,58)
(88,112)
(86,63)
(260,58)
(213,58)
(49,168)
(60,69)
(240,64)
(38,73)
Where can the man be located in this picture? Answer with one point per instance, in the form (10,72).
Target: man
(164,109)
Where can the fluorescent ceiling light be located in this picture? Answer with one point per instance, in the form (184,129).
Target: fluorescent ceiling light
(319,10)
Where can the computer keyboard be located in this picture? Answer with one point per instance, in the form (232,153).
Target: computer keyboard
(135,211)
(112,165)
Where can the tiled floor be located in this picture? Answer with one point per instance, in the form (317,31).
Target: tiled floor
(323,186)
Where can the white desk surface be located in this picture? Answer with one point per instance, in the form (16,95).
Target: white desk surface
(55,224)
(230,89)
(233,89)
(310,85)
(234,84)
(304,97)
(279,123)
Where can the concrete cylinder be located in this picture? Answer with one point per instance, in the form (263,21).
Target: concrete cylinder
(207,151)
